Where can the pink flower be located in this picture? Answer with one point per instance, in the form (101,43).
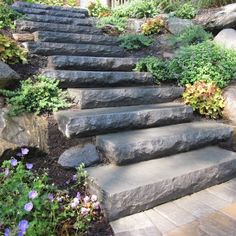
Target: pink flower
(96,205)
(94,198)
(86,199)
(84,211)
(75,202)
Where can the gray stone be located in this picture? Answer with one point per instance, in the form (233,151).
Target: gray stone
(7,76)
(92,63)
(129,189)
(229,111)
(75,156)
(48,49)
(227,38)
(89,79)
(140,145)
(31,26)
(114,97)
(177,25)
(104,120)
(60,37)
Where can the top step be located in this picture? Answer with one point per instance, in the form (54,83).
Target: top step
(46,7)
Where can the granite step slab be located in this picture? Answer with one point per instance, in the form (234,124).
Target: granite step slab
(32,26)
(125,190)
(92,63)
(124,96)
(49,49)
(141,145)
(106,120)
(93,79)
(60,37)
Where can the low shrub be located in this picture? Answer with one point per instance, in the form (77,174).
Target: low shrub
(186,11)
(97,9)
(134,41)
(153,26)
(192,35)
(205,98)
(10,52)
(37,95)
(31,205)
(204,61)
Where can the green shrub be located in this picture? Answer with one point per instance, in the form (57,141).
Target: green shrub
(167,5)
(7,17)
(205,98)
(157,67)
(134,41)
(118,22)
(153,26)
(204,61)
(186,11)
(39,95)
(10,52)
(192,35)
(97,9)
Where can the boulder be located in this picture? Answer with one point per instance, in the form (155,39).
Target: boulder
(75,156)
(226,38)
(216,20)
(7,75)
(176,25)
(230,103)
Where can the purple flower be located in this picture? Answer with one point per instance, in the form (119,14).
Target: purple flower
(14,162)
(23,226)
(50,197)
(86,199)
(94,198)
(24,151)
(74,178)
(6,172)
(84,211)
(7,232)
(75,202)
(29,166)
(67,182)
(96,205)
(28,206)
(78,195)
(32,194)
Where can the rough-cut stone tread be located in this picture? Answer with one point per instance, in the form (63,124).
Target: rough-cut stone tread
(146,144)
(32,26)
(60,37)
(93,79)
(104,120)
(49,49)
(124,96)
(126,190)
(92,63)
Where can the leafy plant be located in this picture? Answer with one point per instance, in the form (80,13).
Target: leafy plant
(10,52)
(167,5)
(135,41)
(204,61)
(206,98)
(71,3)
(186,11)
(192,35)
(157,67)
(153,26)
(96,8)
(30,205)
(118,22)
(39,95)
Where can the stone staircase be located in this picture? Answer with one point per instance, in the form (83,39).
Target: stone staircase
(156,151)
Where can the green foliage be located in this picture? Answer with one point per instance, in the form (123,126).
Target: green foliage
(10,52)
(97,9)
(118,22)
(153,26)
(71,3)
(205,98)
(157,67)
(134,41)
(26,195)
(204,61)
(186,11)
(39,95)
(7,17)
(192,35)
(167,5)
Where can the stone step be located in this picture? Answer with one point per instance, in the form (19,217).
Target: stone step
(92,63)
(125,190)
(57,19)
(51,12)
(93,79)
(49,49)
(124,96)
(32,26)
(146,144)
(104,120)
(60,37)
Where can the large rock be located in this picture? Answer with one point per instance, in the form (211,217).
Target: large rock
(76,156)
(177,25)
(227,38)
(217,20)
(230,103)
(7,76)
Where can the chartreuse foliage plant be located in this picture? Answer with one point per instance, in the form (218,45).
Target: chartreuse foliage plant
(37,95)
(205,97)
(32,206)
(153,26)
(186,11)
(133,42)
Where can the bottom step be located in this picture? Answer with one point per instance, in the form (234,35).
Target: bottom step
(126,190)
